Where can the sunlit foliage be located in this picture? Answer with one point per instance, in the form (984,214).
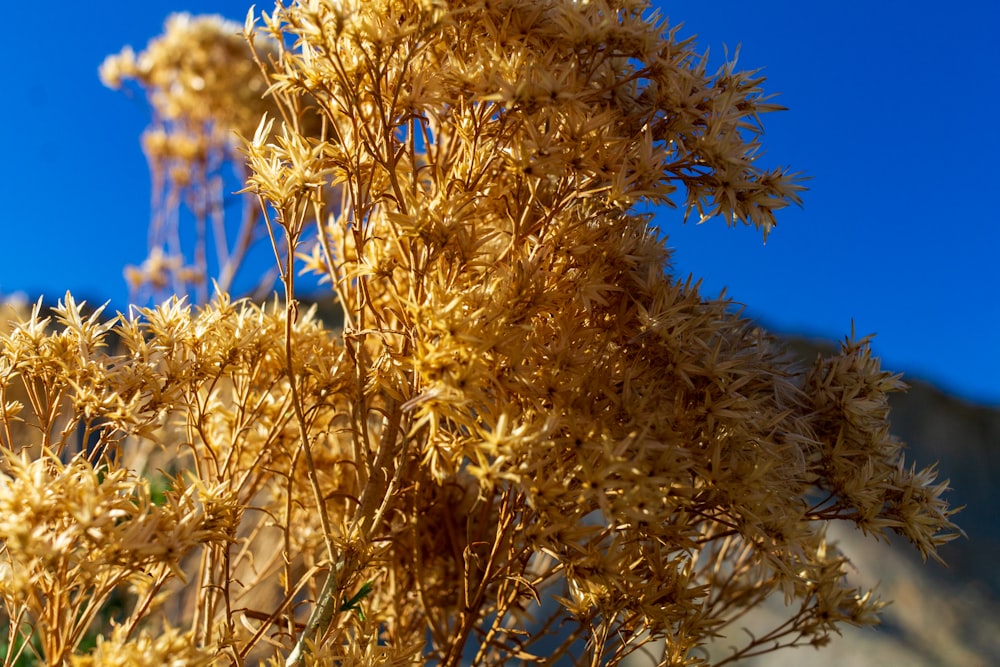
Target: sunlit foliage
(527,442)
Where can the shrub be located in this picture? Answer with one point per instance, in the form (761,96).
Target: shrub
(526,442)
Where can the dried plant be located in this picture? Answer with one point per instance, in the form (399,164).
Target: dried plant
(205,90)
(527,443)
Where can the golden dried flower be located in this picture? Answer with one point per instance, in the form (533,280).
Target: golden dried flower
(168,647)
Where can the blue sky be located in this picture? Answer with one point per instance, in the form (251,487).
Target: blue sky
(892,112)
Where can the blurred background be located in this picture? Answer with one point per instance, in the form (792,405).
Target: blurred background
(890,108)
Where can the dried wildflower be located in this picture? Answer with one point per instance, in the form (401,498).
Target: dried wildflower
(513,328)
(526,429)
(168,647)
(73,535)
(206,91)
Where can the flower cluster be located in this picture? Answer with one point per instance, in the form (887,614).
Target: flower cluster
(130,474)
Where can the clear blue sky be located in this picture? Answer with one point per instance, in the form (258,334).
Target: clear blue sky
(892,112)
